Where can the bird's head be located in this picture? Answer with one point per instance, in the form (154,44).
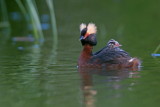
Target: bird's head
(113,43)
(88,34)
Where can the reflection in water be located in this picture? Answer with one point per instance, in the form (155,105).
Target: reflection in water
(89,93)
(87,86)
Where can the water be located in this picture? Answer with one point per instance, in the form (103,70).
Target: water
(46,75)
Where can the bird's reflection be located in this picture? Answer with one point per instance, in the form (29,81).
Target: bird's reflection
(89,93)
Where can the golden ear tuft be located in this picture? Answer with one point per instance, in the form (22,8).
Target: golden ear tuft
(91,28)
(82,26)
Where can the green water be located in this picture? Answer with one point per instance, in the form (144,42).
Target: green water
(46,75)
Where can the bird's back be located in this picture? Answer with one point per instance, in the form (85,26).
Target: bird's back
(110,55)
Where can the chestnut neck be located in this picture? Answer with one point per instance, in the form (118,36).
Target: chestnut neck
(85,54)
(87,49)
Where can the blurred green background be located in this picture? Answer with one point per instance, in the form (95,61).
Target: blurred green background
(39,49)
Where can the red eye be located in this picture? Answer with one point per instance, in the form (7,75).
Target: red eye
(86,35)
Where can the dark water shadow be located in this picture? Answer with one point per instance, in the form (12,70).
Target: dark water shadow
(87,87)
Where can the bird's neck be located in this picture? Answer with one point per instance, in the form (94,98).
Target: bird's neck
(86,54)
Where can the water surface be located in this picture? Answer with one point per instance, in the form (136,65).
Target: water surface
(46,75)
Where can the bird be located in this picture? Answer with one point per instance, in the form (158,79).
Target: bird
(109,57)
